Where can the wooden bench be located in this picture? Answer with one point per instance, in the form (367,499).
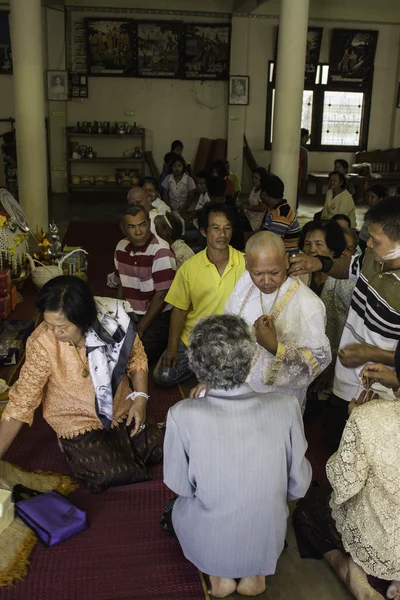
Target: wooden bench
(359,182)
(319,178)
(385,163)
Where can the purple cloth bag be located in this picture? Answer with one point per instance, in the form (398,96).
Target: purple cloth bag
(50,515)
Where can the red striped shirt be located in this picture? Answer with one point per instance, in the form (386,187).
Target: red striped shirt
(144,271)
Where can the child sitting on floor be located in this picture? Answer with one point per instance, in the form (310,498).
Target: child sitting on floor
(179,187)
(166,170)
(177,148)
(201,188)
(218,169)
(342,166)
(237,188)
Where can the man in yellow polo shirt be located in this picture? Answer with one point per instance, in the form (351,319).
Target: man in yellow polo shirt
(201,288)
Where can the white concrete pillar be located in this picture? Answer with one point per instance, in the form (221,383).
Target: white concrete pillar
(291,58)
(28,80)
(237,114)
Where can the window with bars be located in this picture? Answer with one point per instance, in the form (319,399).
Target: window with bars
(337,115)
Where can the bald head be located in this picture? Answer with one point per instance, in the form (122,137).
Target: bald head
(266,261)
(265,243)
(138,195)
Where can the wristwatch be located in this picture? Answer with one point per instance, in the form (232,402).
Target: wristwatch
(327,263)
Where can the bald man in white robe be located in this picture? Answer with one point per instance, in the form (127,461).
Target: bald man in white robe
(288,319)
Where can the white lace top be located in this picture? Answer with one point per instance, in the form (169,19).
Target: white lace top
(365,476)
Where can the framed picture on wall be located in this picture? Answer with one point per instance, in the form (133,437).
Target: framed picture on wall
(352,55)
(314,39)
(57,85)
(111,45)
(207,51)
(239,90)
(5,45)
(159,48)
(313,49)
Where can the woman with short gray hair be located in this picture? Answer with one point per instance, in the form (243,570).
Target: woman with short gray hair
(234,458)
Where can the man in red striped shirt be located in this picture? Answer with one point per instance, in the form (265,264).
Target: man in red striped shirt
(145,268)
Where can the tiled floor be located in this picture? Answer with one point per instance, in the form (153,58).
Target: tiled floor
(303,579)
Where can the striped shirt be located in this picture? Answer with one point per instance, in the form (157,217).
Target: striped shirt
(144,271)
(282,220)
(374,318)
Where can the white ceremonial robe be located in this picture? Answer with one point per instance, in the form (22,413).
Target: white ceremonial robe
(303,347)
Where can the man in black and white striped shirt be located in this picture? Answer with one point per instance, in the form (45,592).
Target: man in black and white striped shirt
(372,329)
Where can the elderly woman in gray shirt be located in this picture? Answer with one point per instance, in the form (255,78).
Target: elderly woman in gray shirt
(234,457)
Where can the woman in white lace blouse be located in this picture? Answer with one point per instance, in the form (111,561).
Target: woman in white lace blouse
(363,537)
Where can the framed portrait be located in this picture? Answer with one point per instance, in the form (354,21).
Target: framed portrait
(5,45)
(57,85)
(352,55)
(207,51)
(314,39)
(111,47)
(313,49)
(239,90)
(159,49)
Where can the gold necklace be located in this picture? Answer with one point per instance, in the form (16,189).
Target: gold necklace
(85,372)
(270,314)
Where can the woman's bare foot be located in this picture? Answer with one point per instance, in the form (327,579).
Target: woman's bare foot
(393,590)
(221,586)
(352,576)
(252,586)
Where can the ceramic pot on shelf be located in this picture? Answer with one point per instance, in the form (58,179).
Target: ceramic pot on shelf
(82,150)
(91,153)
(122,127)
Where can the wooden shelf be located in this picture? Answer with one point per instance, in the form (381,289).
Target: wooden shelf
(92,188)
(104,159)
(105,135)
(123,162)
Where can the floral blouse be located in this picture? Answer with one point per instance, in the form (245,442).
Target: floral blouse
(52,373)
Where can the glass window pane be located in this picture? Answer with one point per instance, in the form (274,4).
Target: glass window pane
(306,111)
(271,72)
(341,119)
(317,74)
(325,73)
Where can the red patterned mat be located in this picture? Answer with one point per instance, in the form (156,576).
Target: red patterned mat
(124,554)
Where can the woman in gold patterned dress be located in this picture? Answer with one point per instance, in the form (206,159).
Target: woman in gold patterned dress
(81,363)
(356,532)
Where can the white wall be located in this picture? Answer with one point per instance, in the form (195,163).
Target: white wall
(168,110)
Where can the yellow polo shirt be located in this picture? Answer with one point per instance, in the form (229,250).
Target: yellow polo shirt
(199,288)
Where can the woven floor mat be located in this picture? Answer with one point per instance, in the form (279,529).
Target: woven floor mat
(17,541)
(123,555)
